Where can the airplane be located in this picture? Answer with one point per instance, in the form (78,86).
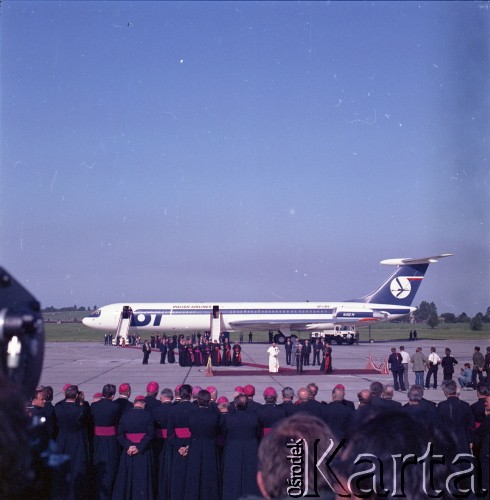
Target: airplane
(391,300)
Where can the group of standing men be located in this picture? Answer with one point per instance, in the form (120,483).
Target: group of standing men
(195,354)
(398,363)
(302,351)
(160,448)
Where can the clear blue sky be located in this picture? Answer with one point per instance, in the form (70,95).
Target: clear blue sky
(198,151)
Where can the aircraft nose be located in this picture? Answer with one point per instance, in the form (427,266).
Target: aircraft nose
(86,321)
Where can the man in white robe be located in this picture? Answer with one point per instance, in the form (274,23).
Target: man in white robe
(273,358)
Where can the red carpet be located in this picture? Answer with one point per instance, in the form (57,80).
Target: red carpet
(311,370)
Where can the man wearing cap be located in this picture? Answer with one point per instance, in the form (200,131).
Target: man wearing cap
(249,391)
(151,396)
(269,413)
(180,438)
(105,415)
(341,393)
(135,434)
(273,358)
(122,402)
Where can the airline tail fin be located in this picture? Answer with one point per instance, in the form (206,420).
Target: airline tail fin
(400,288)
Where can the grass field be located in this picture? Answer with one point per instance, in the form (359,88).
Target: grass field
(77,332)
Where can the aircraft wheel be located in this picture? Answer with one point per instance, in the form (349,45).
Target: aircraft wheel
(279,338)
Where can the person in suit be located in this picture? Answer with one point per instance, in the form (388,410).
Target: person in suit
(395,362)
(146,352)
(317,348)
(447,363)
(299,358)
(163,350)
(306,353)
(288,347)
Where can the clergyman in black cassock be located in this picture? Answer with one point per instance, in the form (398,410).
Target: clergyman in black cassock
(105,415)
(73,419)
(180,437)
(202,481)
(242,431)
(135,434)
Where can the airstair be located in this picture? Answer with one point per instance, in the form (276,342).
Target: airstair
(123,325)
(215,324)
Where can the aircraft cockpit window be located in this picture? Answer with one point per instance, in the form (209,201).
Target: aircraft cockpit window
(95,314)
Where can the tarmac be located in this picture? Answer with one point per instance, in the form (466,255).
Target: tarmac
(92,365)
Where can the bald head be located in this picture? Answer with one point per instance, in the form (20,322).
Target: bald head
(303,394)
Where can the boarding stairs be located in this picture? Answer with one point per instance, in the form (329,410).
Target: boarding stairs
(123,325)
(215,324)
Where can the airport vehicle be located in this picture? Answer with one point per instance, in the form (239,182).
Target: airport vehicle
(391,300)
(340,334)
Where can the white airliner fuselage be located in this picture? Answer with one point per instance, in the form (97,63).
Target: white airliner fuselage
(390,301)
(239,316)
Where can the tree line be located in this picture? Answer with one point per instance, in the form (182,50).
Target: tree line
(427,312)
(52,309)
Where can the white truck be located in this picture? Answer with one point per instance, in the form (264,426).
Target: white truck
(340,335)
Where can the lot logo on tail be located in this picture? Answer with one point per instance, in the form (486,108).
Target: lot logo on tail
(401,287)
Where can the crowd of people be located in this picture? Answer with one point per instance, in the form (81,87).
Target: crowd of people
(189,443)
(400,361)
(299,353)
(198,350)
